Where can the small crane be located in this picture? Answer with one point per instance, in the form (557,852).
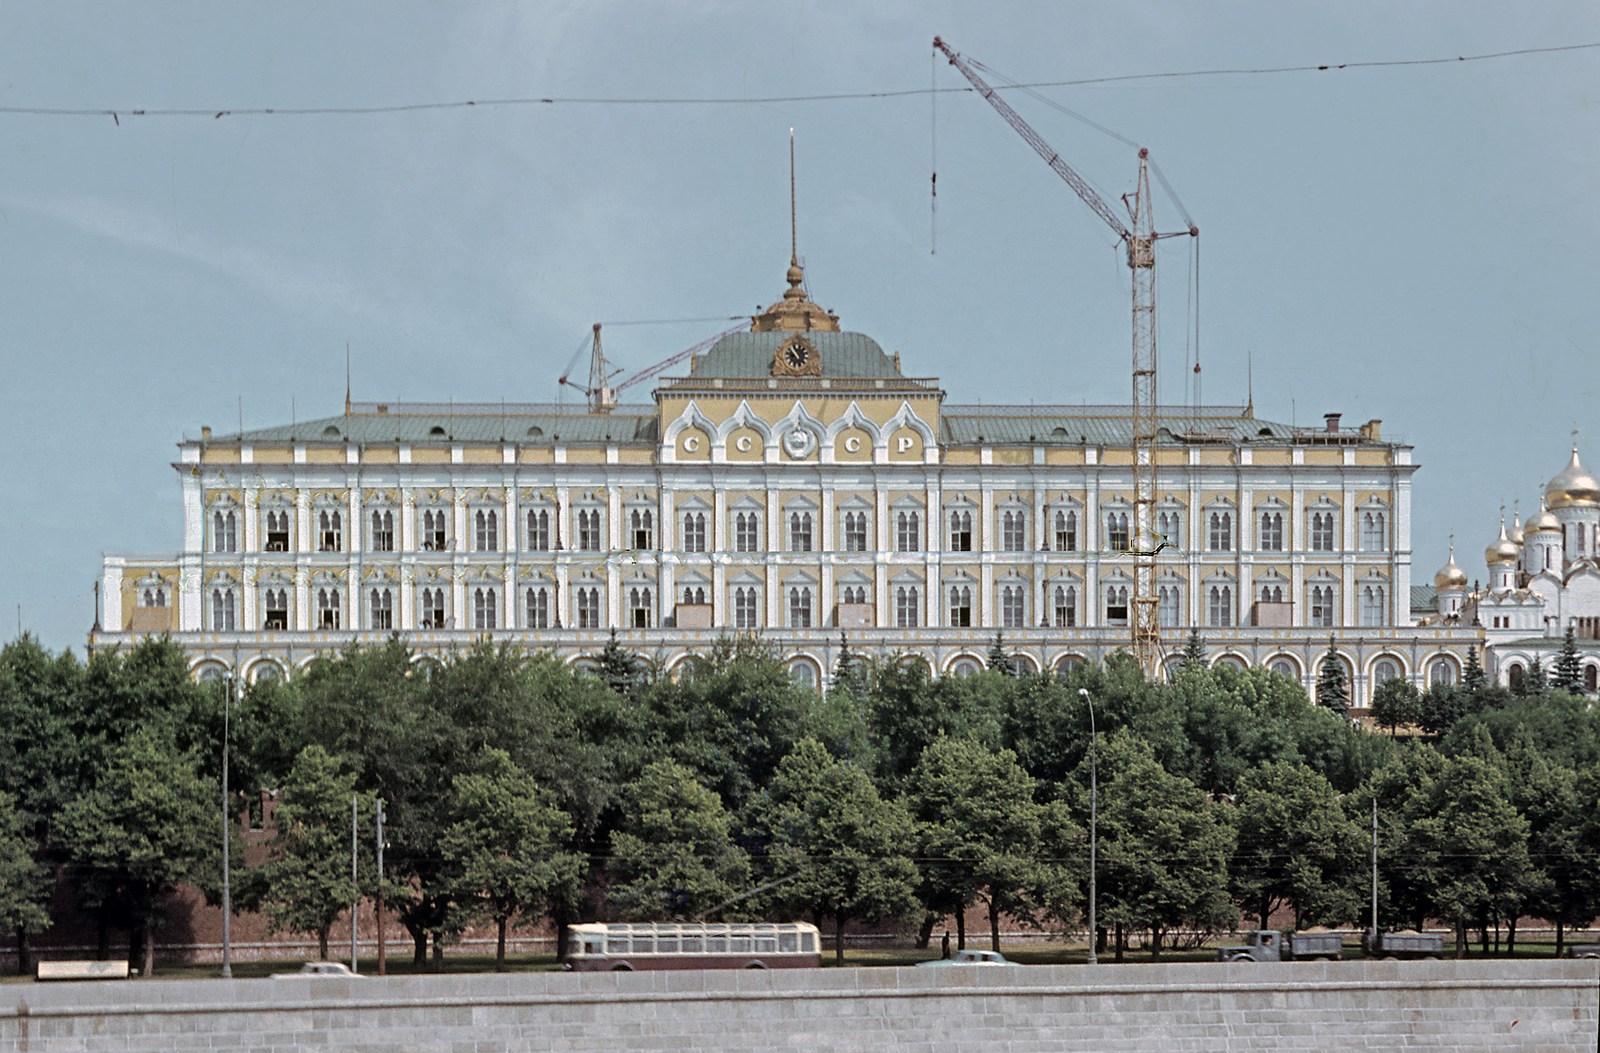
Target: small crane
(603,398)
(1145,624)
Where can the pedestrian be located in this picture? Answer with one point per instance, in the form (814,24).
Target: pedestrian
(946,951)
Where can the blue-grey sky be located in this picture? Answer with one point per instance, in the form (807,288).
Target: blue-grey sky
(1416,244)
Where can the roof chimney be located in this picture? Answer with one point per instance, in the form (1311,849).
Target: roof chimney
(1333,422)
(1370,430)
(205,432)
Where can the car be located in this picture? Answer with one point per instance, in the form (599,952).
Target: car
(970,957)
(319,969)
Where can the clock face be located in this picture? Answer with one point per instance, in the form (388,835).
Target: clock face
(796,354)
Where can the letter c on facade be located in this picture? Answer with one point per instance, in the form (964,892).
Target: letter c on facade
(742,444)
(853,443)
(691,443)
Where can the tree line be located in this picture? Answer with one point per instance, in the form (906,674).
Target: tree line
(519,788)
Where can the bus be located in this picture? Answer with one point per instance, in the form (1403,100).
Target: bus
(625,947)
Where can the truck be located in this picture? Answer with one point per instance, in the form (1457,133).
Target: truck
(1268,945)
(1402,944)
(1576,950)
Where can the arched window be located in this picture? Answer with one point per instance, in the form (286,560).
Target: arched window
(276,605)
(277,532)
(643,524)
(855,531)
(433,531)
(1591,679)
(222,610)
(1272,531)
(694,531)
(858,594)
(1170,526)
(640,610)
(960,606)
(1116,605)
(483,608)
(1322,531)
(907,532)
(1117,538)
(803,675)
(1066,607)
(800,607)
(380,609)
(224,537)
(588,608)
(1322,616)
(1220,537)
(744,608)
(538,609)
(1384,669)
(488,532)
(538,530)
(328,608)
(905,607)
(1219,611)
(589,530)
(1372,605)
(382,531)
(799,531)
(1442,671)
(960,531)
(746,532)
(1169,606)
(1014,531)
(1014,607)
(1284,668)
(1066,531)
(433,608)
(694,594)
(1374,536)
(331,532)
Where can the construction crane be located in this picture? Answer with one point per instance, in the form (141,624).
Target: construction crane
(1145,620)
(602,396)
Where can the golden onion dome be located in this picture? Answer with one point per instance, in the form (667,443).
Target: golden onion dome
(1516,529)
(1573,487)
(1450,576)
(1503,550)
(1542,523)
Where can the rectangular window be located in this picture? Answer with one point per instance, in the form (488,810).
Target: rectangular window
(222,610)
(1014,606)
(588,608)
(1374,536)
(1219,610)
(642,523)
(484,608)
(1322,531)
(589,530)
(538,609)
(277,532)
(694,531)
(487,533)
(1220,536)
(1272,531)
(1168,606)
(223,531)
(1014,531)
(538,530)
(380,609)
(800,532)
(330,536)
(1066,607)
(1117,605)
(960,531)
(905,607)
(276,605)
(383,531)
(1117,538)
(1372,606)
(639,608)
(744,608)
(907,534)
(328,609)
(961,606)
(433,608)
(1322,606)
(433,530)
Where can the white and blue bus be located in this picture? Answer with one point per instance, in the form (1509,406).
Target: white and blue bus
(621,946)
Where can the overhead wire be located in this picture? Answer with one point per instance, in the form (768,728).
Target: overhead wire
(218,112)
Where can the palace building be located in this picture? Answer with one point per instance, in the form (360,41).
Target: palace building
(798,484)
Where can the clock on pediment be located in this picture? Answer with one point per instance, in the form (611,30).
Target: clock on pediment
(796,357)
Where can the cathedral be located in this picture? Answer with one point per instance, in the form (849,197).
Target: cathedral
(1543,578)
(798,483)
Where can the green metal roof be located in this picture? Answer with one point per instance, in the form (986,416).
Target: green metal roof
(1097,426)
(627,425)
(749,355)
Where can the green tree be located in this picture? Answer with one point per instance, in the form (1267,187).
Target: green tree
(1296,848)
(1164,850)
(1474,678)
(1534,684)
(306,882)
(620,668)
(1568,673)
(147,825)
(1194,652)
(850,671)
(504,851)
(25,884)
(980,832)
(674,856)
(997,660)
(848,848)
(1332,687)
(1395,702)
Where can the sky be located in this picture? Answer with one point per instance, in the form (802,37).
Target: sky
(1412,243)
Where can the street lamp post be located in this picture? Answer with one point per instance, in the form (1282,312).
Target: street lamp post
(1094,824)
(227,835)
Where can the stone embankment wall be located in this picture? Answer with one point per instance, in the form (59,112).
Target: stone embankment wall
(1369,1006)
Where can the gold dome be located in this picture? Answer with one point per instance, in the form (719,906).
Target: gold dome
(1516,529)
(1450,576)
(1504,550)
(1544,522)
(1573,487)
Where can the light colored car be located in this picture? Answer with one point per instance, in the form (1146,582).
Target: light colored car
(970,957)
(319,969)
